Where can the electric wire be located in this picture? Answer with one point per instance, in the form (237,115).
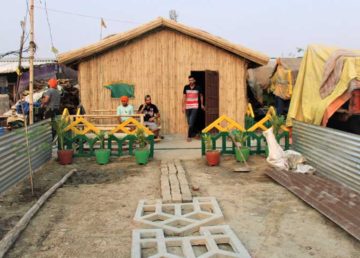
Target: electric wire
(50,30)
(86,16)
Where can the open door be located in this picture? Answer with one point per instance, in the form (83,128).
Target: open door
(209,82)
(211,96)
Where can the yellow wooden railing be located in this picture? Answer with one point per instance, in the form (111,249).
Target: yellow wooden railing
(250,111)
(80,125)
(261,124)
(128,124)
(231,124)
(66,115)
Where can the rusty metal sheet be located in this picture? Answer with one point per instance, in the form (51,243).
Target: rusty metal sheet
(334,200)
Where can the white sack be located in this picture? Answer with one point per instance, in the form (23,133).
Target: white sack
(277,157)
(286,160)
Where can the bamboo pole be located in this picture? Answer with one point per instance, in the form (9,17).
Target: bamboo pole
(107,116)
(16,95)
(31,68)
(28,151)
(11,237)
(23,25)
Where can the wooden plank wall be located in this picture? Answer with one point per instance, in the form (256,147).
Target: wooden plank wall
(158,64)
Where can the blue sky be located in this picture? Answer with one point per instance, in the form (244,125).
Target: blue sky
(275,27)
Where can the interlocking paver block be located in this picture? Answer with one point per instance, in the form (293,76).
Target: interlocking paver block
(179,218)
(214,238)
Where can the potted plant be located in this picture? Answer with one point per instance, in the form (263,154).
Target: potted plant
(212,156)
(277,122)
(64,156)
(242,152)
(102,155)
(142,152)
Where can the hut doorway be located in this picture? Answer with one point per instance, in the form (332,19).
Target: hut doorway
(209,82)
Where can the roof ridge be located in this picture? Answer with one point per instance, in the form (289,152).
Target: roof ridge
(104,44)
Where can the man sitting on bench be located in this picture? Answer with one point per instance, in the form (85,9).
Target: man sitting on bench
(151,115)
(125,109)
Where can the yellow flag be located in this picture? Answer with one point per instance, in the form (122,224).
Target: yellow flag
(54,50)
(18,71)
(103,24)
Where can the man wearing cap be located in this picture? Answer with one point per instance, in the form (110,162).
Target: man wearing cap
(51,100)
(125,109)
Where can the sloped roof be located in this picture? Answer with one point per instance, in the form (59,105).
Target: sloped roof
(73,56)
(9,65)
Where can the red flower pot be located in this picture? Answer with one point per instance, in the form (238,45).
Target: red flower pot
(65,157)
(213,158)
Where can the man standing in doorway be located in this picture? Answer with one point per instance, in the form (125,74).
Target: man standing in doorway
(192,98)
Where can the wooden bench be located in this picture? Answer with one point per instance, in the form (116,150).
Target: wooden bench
(107,111)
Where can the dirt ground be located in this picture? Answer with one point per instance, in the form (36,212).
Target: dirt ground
(268,219)
(91,216)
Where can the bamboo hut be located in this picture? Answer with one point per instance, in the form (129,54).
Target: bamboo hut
(157,58)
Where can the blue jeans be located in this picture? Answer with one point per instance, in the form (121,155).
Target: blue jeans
(191,115)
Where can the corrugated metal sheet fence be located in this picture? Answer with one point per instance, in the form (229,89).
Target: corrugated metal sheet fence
(334,153)
(13,153)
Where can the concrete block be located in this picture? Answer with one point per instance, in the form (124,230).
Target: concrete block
(172,168)
(210,237)
(179,218)
(174,182)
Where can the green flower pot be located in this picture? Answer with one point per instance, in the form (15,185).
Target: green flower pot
(245,152)
(142,156)
(102,156)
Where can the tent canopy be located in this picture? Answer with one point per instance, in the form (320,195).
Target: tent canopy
(306,103)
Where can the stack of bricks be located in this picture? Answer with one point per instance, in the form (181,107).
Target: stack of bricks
(174,185)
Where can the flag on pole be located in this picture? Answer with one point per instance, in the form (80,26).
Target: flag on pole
(54,50)
(103,24)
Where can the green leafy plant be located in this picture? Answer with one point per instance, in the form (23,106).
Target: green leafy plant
(249,121)
(101,136)
(207,139)
(59,125)
(141,138)
(240,137)
(277,122)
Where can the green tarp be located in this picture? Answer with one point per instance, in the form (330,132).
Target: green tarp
(121,89)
